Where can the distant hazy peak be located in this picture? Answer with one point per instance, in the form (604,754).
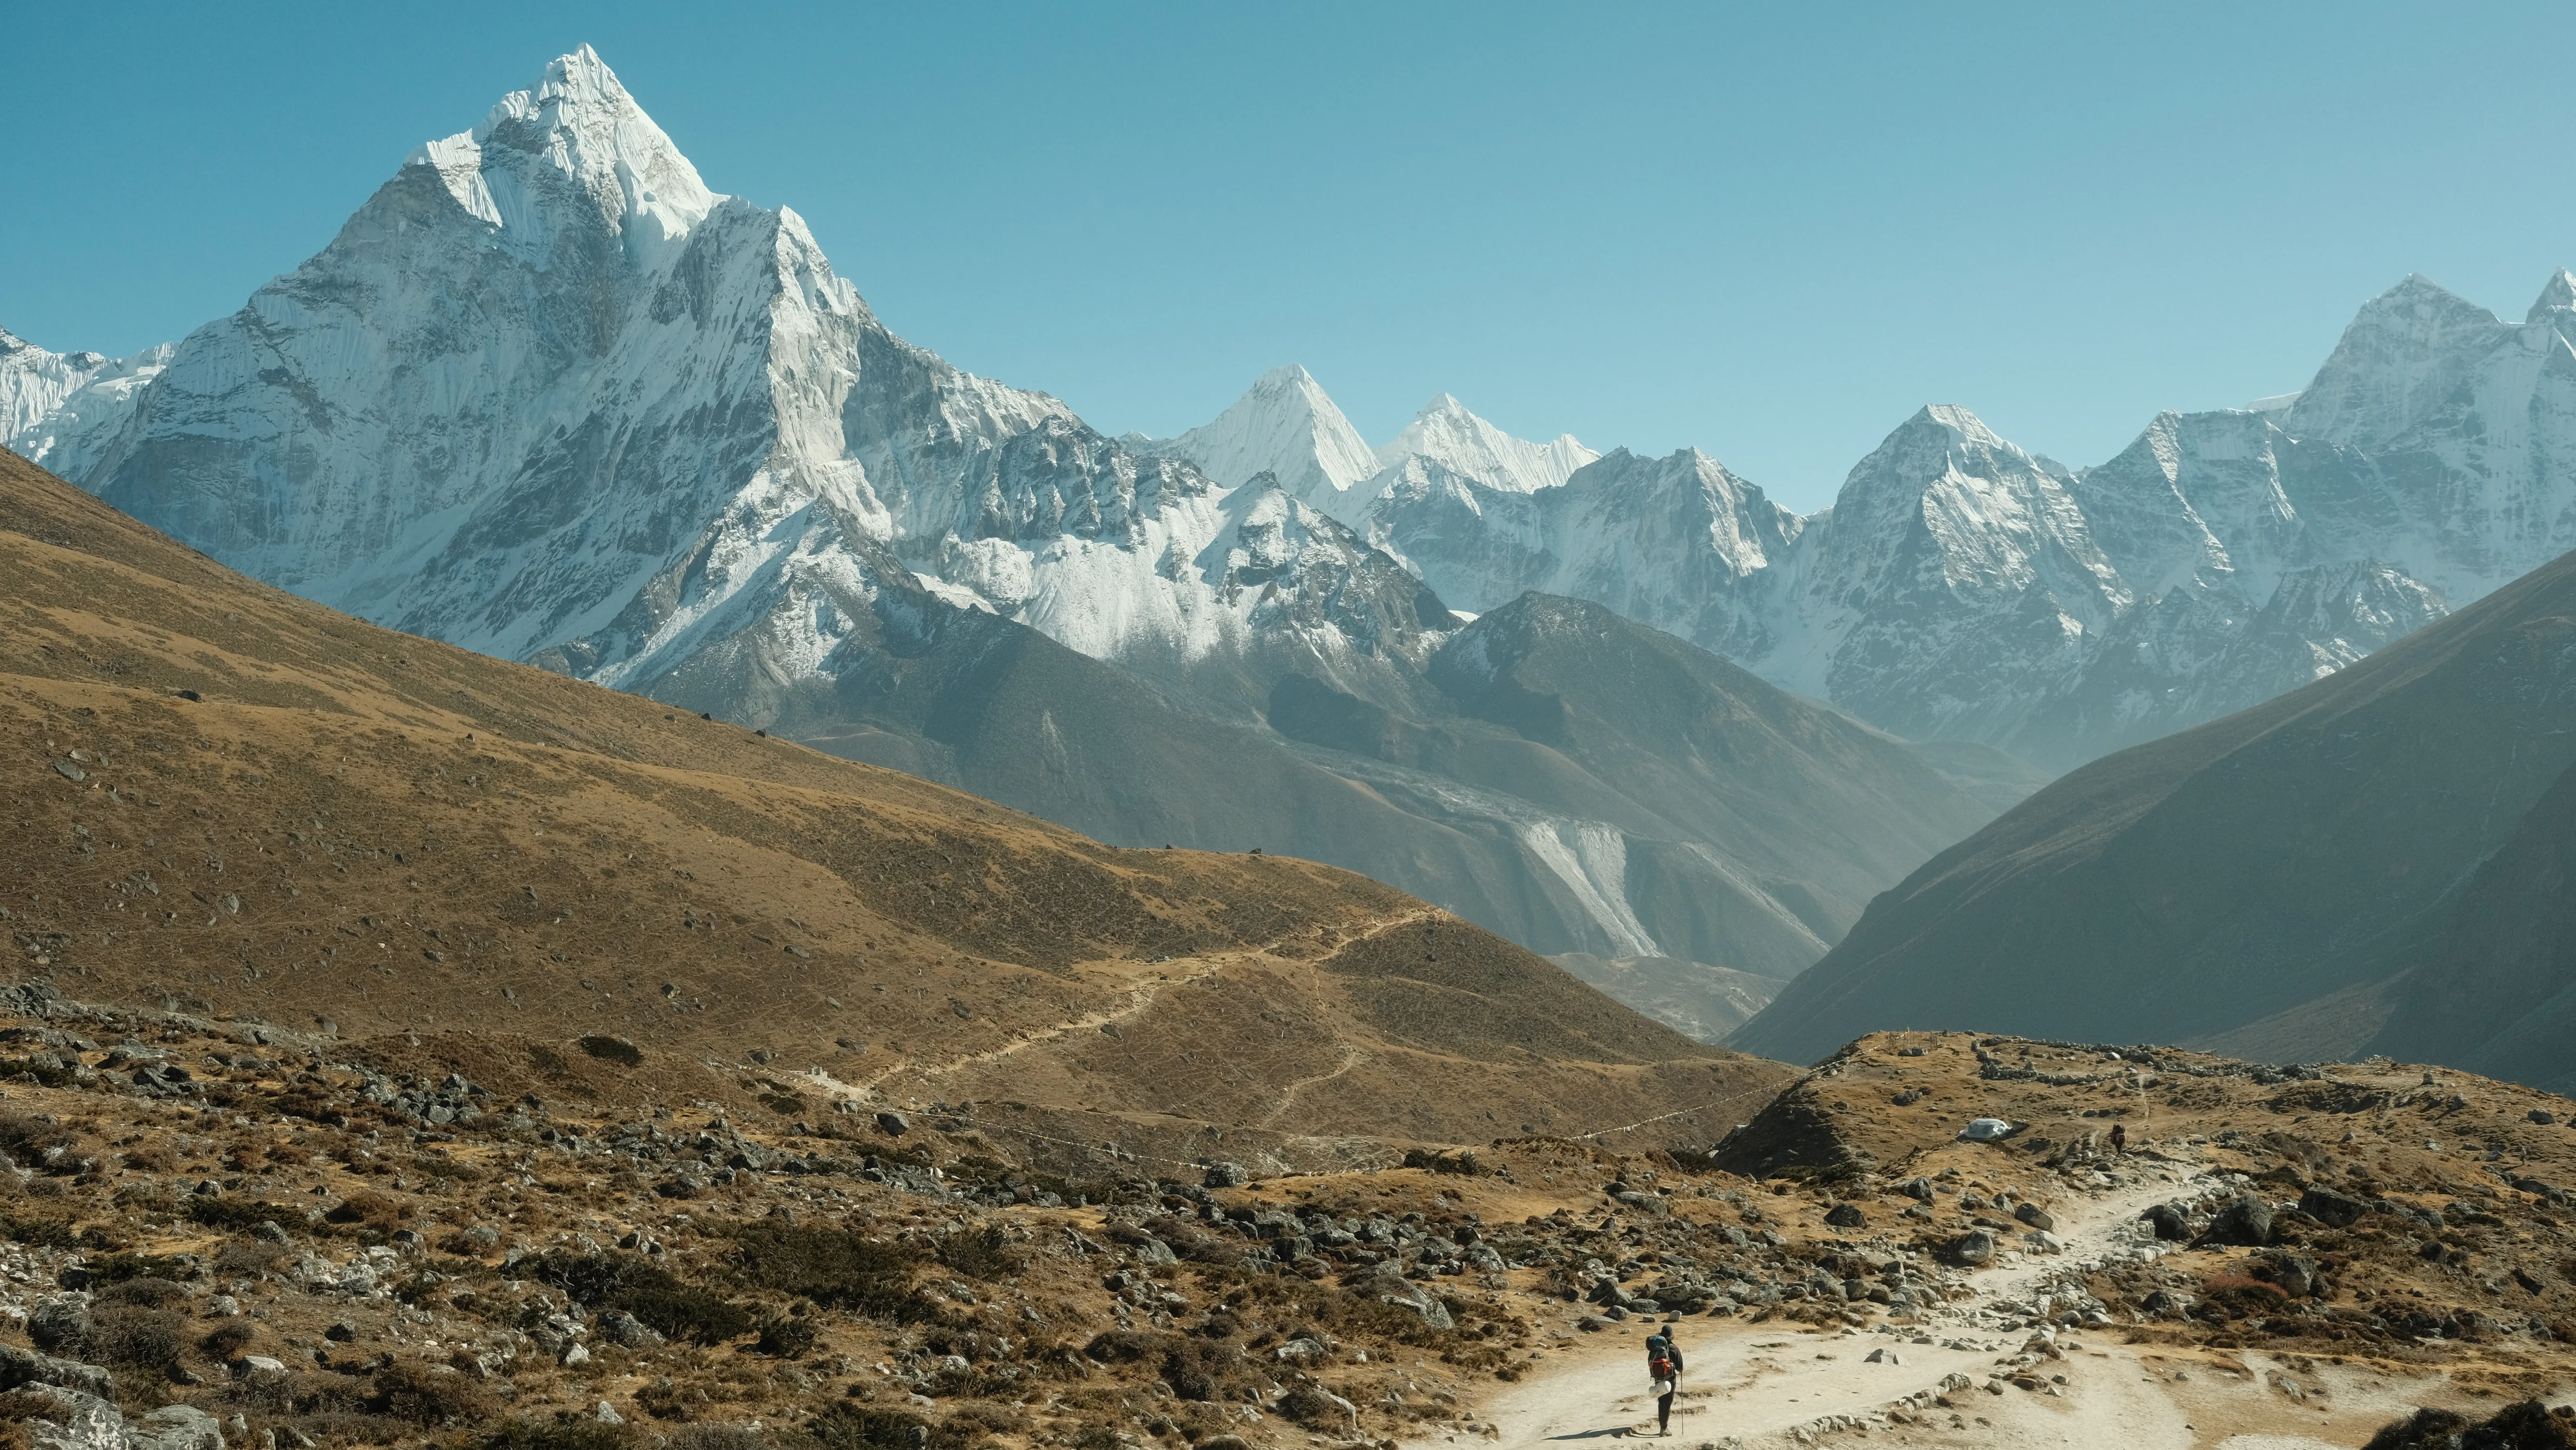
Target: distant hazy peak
(1284,424)
(1445,432)
(2559,295)
(2402,357)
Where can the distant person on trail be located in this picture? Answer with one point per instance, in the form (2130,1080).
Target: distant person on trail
(1664,1367)
(2119,1137)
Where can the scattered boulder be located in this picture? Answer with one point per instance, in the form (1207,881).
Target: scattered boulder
(26,1367)
(893,1123)
(176,1427)
(1845,1215)
(2334,1210)
(2542,1116)
(2245,1222)
(2295,1274)
(67,1419)
(621,1328)
(2168,1221)
(1917,1188)
(1974,1247)
(2035,1216)
(1227,1175)
(1986,1130)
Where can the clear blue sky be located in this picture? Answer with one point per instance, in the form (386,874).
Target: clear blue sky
(1770,234)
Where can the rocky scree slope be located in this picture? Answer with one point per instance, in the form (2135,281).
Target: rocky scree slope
(232,1230)
(2320,876)
(226,800)
(549,397)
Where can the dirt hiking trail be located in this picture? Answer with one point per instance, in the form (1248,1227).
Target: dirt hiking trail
(1786,1384)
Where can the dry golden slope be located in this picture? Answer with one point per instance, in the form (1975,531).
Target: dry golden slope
(361,832)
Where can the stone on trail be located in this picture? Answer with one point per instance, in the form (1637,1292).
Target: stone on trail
(1975,1246)
(2035,1216)
(2168,1222)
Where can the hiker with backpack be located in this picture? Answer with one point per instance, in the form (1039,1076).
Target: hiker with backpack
(1664,1367)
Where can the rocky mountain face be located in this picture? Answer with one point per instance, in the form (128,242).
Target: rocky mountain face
(2372,863)
(1963,589)
(550,397)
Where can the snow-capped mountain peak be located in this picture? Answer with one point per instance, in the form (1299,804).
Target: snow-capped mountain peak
(2401,358)
(2559,295)
(1446,433)
(1284,425)
(577,125)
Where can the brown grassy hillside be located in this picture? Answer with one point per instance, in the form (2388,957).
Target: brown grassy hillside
(350,831)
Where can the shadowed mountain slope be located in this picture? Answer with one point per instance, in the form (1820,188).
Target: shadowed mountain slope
(351,830)
(2261,882)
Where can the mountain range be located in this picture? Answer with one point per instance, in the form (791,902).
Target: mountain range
(549,397)
(1961,588)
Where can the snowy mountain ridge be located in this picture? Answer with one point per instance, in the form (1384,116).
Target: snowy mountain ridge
(1961,588)
(549,396)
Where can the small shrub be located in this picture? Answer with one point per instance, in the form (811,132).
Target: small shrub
(612,1049)
(130,1334)
(235,1214)
(104,1269)
(850,1427)
(366,1209)
(570,1432)
(665,1399)
(422,1396)
(835,1268)
(229,1338)
(149,1290)
(2235,1296)
(982,1254)
(1196,1369)
(787,1338)
(652,1294)
(38,1233)
(247,1258)
(718,1437)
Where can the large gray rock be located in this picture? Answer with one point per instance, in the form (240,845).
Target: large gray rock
(2245,1222)
(27,1367)
(72,1420)
(1976,1246)
(176,1427)
(2034,1215)
(1404,1293)
(2168,1222)
(2334,1210)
